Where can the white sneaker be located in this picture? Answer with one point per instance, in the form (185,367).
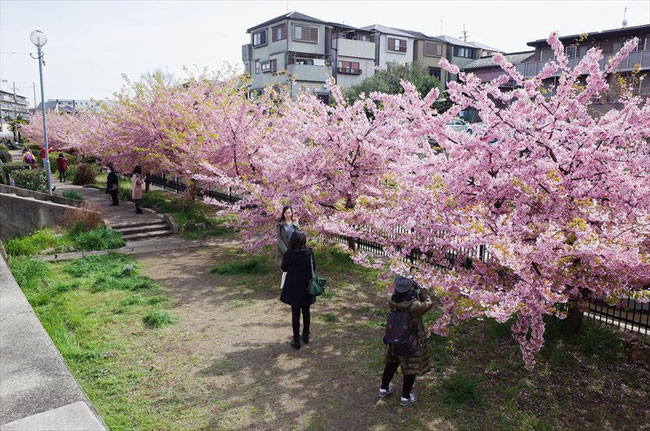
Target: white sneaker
(385,392)
(407,401)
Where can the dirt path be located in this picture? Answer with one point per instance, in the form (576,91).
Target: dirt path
(230,353)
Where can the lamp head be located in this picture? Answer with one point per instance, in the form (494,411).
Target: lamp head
(38,38)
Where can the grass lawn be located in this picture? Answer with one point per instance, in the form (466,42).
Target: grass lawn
(205,346)
(58,241)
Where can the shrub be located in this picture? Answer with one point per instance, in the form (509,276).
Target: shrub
(601,341)
(5,155)
(81,220)
(460,388)
(33,179)
(84,174)
(34,243)
(72,194)
(98,239)
(8,168)
(157,319)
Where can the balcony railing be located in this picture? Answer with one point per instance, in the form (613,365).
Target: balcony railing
(642,58)
(349,71)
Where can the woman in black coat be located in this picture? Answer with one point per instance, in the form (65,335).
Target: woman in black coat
(112,186)
(297,263)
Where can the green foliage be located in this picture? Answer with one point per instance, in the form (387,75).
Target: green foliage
(157,319)
(29,274)
(33,179)
(84,174)
(600,341)
(460,388)
(252,265)
(494,329)
(7,169)
(388,81)
(35,243)
(72,194)
(73,160)
(98,239)
(5,155)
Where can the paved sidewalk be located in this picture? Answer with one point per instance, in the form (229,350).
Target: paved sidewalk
(37,391)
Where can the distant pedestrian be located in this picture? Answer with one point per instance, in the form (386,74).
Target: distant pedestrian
(298,262)
(405,337)
(112,186)
(136,193)
(29,158)
(62,166)
(287,225)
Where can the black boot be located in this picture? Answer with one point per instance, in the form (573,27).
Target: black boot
(305,337)
(295,343)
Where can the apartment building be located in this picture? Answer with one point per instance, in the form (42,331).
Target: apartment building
(11,107)
(486,68)
(69,106)
(311,50)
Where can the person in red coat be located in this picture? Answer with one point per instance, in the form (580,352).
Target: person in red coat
(62,166)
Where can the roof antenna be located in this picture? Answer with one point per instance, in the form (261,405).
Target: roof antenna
(624,20)
(464,33)
(441,19)
(287,5)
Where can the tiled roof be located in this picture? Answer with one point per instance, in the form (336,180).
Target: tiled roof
(615,32)
(291,15)
(514,58)
(387,30)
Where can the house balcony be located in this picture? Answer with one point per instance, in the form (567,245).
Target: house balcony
(356,48)
(309,72)
(532,68)
(349,71)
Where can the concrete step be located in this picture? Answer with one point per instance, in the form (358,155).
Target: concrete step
(118,226)
(147,235)
(142,228)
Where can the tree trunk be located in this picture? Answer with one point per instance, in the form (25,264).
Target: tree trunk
(147,182)
(352,244)
(573,321)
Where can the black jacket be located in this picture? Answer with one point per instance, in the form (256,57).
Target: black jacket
(297,265)
(111,180)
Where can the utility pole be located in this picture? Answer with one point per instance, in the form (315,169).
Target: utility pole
(15,117)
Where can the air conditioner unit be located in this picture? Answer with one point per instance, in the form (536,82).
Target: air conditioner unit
(319,62)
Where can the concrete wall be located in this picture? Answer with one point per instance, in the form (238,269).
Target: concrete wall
(23,215)
(38,195)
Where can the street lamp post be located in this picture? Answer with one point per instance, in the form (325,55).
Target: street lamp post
(39,39)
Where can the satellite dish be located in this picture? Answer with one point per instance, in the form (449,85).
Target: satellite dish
(38,38)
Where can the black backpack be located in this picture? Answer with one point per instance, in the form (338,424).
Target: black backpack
(401,334)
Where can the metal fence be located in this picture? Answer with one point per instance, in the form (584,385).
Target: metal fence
(630,315)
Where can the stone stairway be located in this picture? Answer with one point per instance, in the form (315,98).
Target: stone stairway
(147,229)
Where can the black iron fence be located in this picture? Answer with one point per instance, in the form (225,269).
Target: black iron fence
(630,315)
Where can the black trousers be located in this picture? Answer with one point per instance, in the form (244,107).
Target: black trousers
(295,320)
(114,199)
(138,210)
(389,372)
(62,176)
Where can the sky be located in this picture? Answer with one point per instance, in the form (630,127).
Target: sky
(92,44)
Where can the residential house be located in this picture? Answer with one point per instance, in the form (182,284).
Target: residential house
(12,107)
(428,51)
(391,45)
(351,53)
(69,106)
(486,69)
(610,42)
(292,44)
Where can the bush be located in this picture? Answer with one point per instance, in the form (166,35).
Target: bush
(7,169)
(33,179)
(601,341)
(81,220)
(72,160)
(72,194)
(98,239)
(5,155)
(35,243)
(84,174)
(157,319)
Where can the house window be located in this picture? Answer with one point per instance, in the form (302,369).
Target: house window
(259,38)
(435,72)
(351,67)
(432,49)
(571,51)
(257,67)
(304,33)
(464,52)
(397,45)
(279,33)
(270,66)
